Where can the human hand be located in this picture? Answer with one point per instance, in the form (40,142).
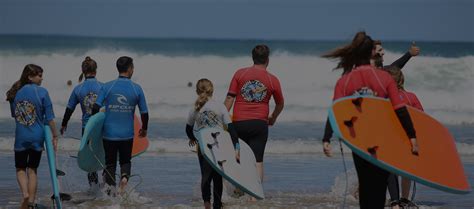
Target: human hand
(271,120)
(327,149)
(237,155)
(414,50)
(142,133)
(414,146)
(192,143)
(55,143)
(63,129)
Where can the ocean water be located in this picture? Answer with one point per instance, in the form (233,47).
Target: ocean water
(297,174)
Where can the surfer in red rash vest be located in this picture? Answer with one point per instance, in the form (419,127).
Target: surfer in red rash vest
(360,78)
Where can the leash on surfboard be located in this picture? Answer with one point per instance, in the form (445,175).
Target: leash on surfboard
(345,172)
(127,193)
(62,196)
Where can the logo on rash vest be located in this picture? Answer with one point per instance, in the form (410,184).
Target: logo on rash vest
(122,106)
(253,91)
(207,119)
(25,113)
(89,101)
(365,91)
(121,99)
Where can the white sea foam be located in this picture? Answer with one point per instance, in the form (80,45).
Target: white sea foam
(444,85)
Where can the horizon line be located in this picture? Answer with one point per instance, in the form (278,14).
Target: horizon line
(220,38)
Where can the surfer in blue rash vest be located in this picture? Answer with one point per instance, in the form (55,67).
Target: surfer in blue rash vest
(120,97)
(32,109)
(84,94)
(207,113)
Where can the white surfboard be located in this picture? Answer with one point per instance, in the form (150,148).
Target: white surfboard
(217,148)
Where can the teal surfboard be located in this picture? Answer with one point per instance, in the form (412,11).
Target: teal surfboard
(217,148)
(52,165)
(91,155)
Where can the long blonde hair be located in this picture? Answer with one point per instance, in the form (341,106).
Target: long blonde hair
(397,75)
(204,90)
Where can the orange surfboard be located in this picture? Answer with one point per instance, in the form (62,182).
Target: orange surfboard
(371,129)
(140,144)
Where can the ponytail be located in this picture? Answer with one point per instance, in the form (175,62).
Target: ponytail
(88,66)
(204,89)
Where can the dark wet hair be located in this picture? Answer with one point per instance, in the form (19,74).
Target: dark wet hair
(123,63)
(260,54)
(357,53)
(378,61)
(88,66)
(29,70)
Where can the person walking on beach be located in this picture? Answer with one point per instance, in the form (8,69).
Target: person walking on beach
(361,78)
(208,113)
(31,107)
(249,93)
(120,97)
(84,94)
(412,100)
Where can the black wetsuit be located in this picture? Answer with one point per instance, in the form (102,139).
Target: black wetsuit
(208,174)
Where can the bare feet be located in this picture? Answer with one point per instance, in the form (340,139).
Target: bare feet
(123,184)
(207,205)
(24,203)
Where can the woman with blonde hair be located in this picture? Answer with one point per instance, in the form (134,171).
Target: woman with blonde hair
(208,113)
(412,100)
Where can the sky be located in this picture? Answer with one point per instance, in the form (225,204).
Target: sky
(405,20)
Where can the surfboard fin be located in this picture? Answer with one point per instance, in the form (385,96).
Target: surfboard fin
(60,172)
(350,125)
(214,135)
(221,162)
(63,197)
(373,151)
(358,103)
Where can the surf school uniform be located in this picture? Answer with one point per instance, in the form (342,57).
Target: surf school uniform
(32,109)
(212,115)
(120,97)
(367,80)
(84,94)
(399,63)
(412,100)
(253,88)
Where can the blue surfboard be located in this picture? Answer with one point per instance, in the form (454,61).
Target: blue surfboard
(91,155)
(52,165)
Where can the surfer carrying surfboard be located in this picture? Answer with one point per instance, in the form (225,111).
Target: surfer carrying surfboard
(84,94)
(360,78)
(120,96)
(251,89)
(412,100)
(31,107)
(208,113)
